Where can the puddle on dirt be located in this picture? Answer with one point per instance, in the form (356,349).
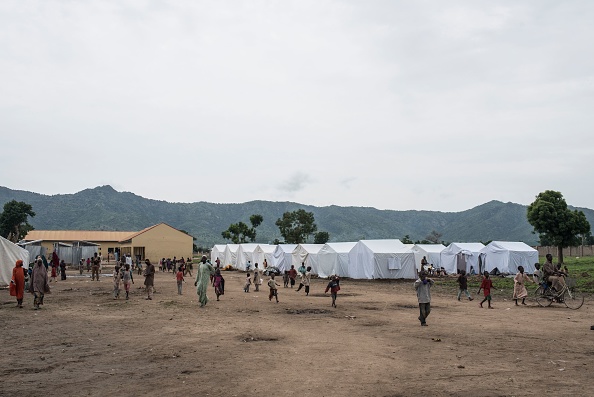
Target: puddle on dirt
(307,311)
(260,338)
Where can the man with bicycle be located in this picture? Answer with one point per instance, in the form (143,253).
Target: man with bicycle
(551,275)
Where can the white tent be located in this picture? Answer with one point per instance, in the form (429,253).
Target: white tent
(230,255)
(217,251)
(267,251)
(9,254)
(506,256)
(333,258)
(308,254)
(460,256)
(382,259)
(282,256)
(431,252)
(249,252)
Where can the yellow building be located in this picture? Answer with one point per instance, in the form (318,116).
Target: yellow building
(153,243)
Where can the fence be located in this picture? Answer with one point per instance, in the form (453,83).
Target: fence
(581,250)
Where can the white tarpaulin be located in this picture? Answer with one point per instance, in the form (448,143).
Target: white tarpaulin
(333,258)
(308,254)
(282,256)
(230,255)
(460,256)
(268,250)
(249,252)
(9,254)
(506,256)
(431,252)
(387,259)
(217,251)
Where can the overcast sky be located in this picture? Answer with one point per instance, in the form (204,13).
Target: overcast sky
(426,105)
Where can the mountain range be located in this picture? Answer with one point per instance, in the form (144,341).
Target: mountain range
(104,208)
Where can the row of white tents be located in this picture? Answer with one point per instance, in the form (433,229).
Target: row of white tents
(383,259)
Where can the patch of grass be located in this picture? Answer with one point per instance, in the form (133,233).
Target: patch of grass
(581,269)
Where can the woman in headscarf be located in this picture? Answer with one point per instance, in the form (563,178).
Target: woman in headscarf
(17,284)
(203,274)
(38,285)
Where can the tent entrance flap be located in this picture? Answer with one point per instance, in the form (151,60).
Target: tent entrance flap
(460,262)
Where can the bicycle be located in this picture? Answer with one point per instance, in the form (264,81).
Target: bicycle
(569,295)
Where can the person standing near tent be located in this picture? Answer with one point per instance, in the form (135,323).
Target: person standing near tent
(203,273)
(149,279)
(39,284)
(423,287)
(301,269)
(17,283)
(257,279)
(520,280)
(424,264)
(292,275)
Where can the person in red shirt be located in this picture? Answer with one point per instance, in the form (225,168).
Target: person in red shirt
(292,275)
(180,279)
(486,286)
(334,287)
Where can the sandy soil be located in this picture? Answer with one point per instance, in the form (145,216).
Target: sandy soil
(84,343)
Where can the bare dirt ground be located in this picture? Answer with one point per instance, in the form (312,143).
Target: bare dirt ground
(84,343)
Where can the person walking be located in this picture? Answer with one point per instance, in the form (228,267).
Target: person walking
(273,290)
(292,275)
(486,286)
(203,273)
(39,284)
(423,287)
(116,282)
(149,279)
(520,280)
(463,285)
(127,278)
(334,287)
(180,279)
(62,270)
(305,281)
(219,283)
(17,283)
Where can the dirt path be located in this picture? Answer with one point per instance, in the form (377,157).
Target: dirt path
(85,343)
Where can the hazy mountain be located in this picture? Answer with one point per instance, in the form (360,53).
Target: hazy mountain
(103,208)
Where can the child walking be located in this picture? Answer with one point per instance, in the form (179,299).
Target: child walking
(463,285)
(180,279)
(520,285)
(334,287)
(286,279)
(219,283)
(116,283)
(273,291)
(248,282)
(126,278)
(423,287)
(486,286)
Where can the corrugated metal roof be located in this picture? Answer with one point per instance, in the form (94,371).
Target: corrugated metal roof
(77,235)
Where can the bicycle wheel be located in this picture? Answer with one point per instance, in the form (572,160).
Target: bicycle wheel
(542,297)
(572,298)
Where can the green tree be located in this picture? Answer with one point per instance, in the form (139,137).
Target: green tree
(296,226)
(13,220)
(240,233)
(406,240)
(555,223)
(321,237)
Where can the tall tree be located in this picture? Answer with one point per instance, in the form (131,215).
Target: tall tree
(555,223)
(321,237)
(240,233)
(13,220)
(296,226)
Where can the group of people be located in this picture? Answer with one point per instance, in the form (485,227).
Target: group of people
(552,276)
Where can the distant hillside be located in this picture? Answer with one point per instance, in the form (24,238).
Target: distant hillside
(103,208)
